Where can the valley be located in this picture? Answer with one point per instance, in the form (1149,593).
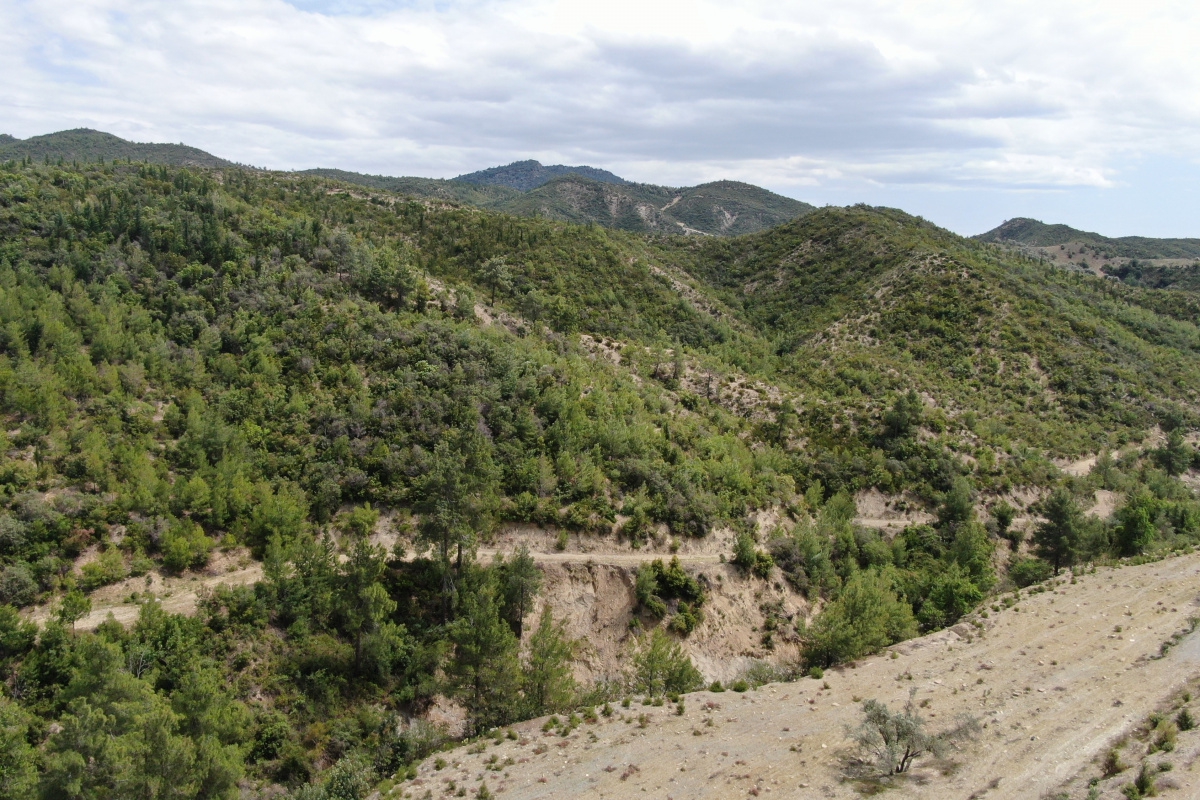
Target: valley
(312,483)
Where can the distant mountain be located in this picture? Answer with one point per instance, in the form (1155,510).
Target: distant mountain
(86,145)
(1033,233)
(584,195)
(528,175)
(721,208)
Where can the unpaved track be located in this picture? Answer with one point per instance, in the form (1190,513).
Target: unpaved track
(1054,682)
(626,559)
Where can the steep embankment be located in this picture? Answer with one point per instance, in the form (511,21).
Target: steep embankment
(1056,680)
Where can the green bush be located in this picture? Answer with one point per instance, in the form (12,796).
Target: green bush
(1028,571)
(660,666)
(951,595)
(108,568)
(184,546)
(865,617)
(17,585)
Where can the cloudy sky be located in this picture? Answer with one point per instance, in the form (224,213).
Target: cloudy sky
(968,113)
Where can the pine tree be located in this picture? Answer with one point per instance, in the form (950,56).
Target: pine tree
(1058,538)
(457,498)
(485,671)
(549,682)
(521,582)
(1135,524)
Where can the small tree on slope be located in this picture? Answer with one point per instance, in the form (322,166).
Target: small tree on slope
(893,741)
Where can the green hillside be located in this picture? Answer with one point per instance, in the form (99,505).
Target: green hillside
(259,364)
(453,191)
(722,208)
(861,303)
(88,146)
(570,194)
(1038,234)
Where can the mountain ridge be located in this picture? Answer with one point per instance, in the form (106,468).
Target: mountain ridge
(529,174)
(88,145)
(1035,233)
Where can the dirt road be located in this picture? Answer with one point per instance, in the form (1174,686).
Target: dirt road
(625,559)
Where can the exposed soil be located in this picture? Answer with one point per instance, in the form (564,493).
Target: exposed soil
(1053,681)
(590,584)
(177,594)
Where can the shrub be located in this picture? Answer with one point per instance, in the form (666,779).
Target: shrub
(16,635)
(740,686)
(1142,786)
(1165,734)
(1112,763)
(894,741)
(656,581)
(17,586)
(1185,720)
(1135,530)
(951,595)
(109,568)
(686,619)
(1028,571)
(349,779)
(866,616)
(805,560)
(661,666)
(646,590)
(185,546)
(750,558)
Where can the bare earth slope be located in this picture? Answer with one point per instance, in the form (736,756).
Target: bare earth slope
(1052,680)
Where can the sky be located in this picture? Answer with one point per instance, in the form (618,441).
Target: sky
(966,113)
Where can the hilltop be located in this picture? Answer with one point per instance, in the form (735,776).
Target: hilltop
(88,146)
(527,175)
(581,194)
(721,208)
(1134,260)
(1038,234)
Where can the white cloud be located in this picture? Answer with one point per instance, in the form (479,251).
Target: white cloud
(936,94)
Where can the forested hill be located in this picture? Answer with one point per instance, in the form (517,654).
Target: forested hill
(88,146)
(721,208)
(1038,234)
(526,188)
(862,302)
(526,175)
(261,363)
